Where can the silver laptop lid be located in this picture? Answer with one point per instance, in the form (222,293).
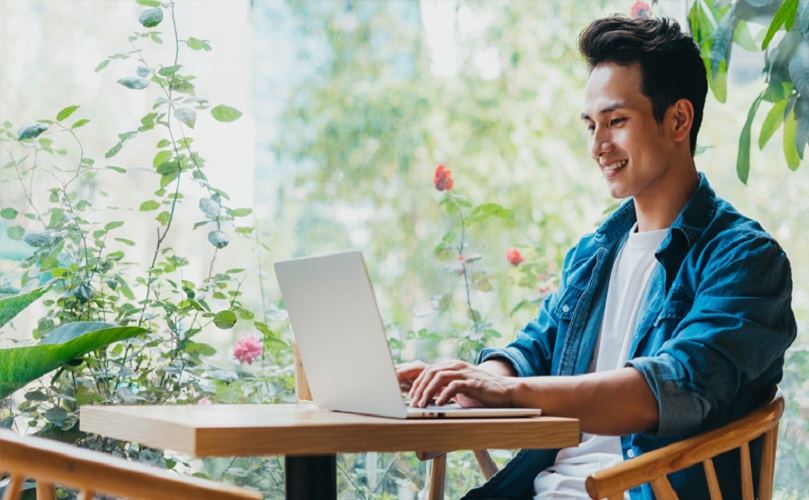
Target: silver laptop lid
(335,321)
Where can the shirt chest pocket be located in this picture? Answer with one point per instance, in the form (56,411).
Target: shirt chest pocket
(679,303)
(569,303)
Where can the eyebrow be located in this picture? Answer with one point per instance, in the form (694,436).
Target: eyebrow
(607,110)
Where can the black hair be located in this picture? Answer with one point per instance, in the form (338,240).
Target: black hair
(671,65)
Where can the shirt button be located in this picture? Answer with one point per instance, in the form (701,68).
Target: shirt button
(565,308)
(630,453)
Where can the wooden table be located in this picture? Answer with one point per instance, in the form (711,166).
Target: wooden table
(310,438)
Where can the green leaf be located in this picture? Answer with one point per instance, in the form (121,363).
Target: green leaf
(784,17)
(56,416)
(15,233)
(133,82)
(198,348)
(9,213)
(103,64)
(126,242)
(224,113)
(743,156)
(169,70)
(241,212)
(66,113)
(210,207)
(700,23)
(149,205)
(37,238)
(799,68)
(264,329)
(197,44)
(80,123)
(722,43)
(21,365)
(122,140)
(718,80)
(163,217)
(224,319)
(120,170)
(113,225)
(219,239)
(151,17)
(149,3)
(790,131)
(31,130)
(11,306)
(743,38)
(802,124)
(774,120)
(187,116)
(161,158)
(125,288)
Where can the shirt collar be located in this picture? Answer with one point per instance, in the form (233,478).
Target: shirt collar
(692,221)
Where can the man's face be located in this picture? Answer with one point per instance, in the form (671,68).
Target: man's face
(632,149)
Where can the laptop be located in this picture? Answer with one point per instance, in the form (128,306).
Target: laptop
(342,342)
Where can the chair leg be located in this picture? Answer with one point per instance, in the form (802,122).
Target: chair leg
(487,465)
(14,487)
(45,491)
(87,494)
(437,478)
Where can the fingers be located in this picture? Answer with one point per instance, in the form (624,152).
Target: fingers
(433,379)
(407,372)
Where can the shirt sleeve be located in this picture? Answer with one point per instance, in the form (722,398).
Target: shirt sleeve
(731,338)
(530,354)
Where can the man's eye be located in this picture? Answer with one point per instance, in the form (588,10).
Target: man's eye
(591,128)
(617,121)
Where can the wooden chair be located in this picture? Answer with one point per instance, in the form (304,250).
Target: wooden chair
(655,466)
(51,462)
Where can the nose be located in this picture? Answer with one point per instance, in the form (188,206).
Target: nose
(600,142)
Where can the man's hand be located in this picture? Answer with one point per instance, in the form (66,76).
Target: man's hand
(408,372)
(466,384)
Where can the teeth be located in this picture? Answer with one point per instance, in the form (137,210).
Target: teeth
(616,165)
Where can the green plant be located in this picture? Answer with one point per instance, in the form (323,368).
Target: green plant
(94,270)
(718,24)
(21,365)
(454,250)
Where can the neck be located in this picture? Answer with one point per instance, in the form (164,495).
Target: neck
(659,212)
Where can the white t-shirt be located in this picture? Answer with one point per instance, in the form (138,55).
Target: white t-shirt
(630,275)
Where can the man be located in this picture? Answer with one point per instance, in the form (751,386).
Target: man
(671,319)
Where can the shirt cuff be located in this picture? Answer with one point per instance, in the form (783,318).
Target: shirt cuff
(511,355)
(682,406)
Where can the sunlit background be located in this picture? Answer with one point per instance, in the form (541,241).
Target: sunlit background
(348,107)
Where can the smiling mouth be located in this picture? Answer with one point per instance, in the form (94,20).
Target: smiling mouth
(615,165)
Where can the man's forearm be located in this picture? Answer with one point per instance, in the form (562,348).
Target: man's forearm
(617,402)
(498,367)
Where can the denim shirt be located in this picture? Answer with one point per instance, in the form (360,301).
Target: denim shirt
(714,324)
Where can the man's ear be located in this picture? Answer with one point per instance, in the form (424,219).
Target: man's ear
(682,119)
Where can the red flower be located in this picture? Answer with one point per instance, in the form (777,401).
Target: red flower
(514,256)
(443,178)
(640,9)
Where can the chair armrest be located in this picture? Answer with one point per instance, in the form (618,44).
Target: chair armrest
(657,464)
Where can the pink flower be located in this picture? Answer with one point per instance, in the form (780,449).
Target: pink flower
(640,9)
(514,256)
(204,401)
(443,178)
(247,349)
